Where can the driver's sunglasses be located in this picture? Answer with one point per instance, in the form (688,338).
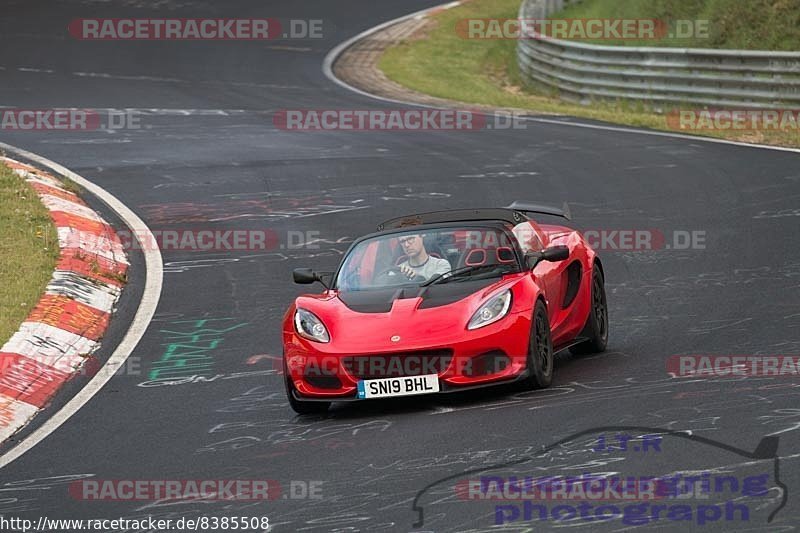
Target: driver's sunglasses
(407,240)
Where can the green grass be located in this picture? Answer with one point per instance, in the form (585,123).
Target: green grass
(28,251)
(69,185)
(740,24)
(485,71)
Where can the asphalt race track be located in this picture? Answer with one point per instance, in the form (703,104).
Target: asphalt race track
(207,156)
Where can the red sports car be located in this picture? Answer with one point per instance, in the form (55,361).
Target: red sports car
(442,302)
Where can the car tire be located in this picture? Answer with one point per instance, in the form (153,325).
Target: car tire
(540,350)
(596,328)
(299,406)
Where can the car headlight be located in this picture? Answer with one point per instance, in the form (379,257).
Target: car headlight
(309,326)
(492,311)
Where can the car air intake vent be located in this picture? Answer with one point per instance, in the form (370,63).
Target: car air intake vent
(323,382)
(486,364)
(398,364)
(573,284)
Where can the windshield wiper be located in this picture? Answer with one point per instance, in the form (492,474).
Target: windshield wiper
(443,278)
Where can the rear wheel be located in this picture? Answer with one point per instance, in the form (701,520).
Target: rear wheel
(540,350)
(299,406)
(596,328)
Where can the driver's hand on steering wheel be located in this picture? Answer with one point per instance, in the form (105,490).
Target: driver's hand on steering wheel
(408,271)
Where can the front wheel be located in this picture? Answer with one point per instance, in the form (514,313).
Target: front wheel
(596,328)
(540,351)
(299,406)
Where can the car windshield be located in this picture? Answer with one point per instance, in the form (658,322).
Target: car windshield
(427,256)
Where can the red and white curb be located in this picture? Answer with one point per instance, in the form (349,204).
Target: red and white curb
(67,324)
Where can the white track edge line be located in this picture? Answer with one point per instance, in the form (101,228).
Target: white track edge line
(334,53)
(141,320)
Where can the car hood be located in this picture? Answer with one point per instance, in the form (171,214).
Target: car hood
(367,320)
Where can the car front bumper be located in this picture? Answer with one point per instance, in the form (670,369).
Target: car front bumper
(486,356)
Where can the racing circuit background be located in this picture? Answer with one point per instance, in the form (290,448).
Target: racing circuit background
(203,153)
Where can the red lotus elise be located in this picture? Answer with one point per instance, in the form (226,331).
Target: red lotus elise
(442,302)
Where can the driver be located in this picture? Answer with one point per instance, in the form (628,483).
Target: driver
(419,265)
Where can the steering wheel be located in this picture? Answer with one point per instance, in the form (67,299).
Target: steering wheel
(389,274)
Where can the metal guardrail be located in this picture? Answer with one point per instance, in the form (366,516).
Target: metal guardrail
(701,76)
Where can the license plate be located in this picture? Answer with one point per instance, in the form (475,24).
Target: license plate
(404,386)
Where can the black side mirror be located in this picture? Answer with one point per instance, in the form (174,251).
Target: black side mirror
(556,253)
(305,276)
(553,254)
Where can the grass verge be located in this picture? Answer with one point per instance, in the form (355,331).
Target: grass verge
(477,71)
(750,25)
(28,250)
